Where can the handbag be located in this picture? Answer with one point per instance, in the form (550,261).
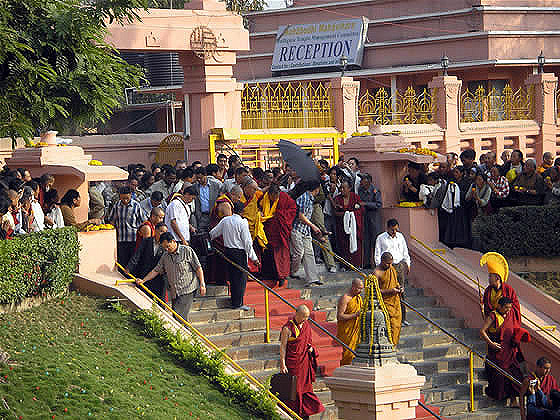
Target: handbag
(284,385)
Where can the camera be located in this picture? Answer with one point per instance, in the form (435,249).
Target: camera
(533,382)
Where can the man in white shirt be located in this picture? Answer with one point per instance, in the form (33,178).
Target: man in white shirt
(238,245)
(177,216)
(393,241)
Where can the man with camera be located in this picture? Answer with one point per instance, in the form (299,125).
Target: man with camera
(537,386)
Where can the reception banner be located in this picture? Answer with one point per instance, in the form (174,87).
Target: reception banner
(321,44)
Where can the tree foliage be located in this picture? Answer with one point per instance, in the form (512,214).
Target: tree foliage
(55,66)
(242,6)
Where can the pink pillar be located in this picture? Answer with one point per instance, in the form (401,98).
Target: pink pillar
(446,90)
(544,88)
(214,96)
(345,91)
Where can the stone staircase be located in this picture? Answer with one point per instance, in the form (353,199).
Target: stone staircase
(443,362)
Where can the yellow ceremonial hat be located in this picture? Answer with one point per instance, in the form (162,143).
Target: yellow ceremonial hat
(496,264)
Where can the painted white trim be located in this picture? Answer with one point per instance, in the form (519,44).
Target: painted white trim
(531,9)
(435,67)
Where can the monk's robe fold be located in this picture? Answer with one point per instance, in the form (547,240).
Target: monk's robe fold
(349,331)
(278,219)
(252,213)
(301,363)
(492,296)
(393,303)
(509,357)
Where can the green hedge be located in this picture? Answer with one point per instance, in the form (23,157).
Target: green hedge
(520,231)
(193,355)
(37,264)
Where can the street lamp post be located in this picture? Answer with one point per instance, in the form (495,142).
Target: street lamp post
(343,64)
(444,64)
(541,60)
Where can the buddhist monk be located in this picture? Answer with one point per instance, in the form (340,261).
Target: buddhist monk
(545,383)
(348,319)
(499,331)
(251,197)
(391,291)
(299,358)
(498,271)
(278,213)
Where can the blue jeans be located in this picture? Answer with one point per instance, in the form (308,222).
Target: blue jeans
(533,410)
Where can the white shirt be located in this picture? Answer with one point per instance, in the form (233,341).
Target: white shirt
(56,216)
(178,210)
(38,217)
(228,184)
(396,246)
(235,231)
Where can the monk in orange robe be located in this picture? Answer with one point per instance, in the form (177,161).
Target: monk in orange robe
(391,291)
(348,319)
(299,358)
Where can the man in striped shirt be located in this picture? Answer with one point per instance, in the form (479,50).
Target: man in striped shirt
(127,217)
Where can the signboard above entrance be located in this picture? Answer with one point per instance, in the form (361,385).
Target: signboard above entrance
(323,44)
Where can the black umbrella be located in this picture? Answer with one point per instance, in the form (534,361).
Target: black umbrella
(299,160)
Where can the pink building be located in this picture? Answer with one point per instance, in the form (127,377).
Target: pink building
(488,42)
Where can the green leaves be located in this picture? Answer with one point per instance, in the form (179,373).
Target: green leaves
(56,71)
(38,263)
(211,366)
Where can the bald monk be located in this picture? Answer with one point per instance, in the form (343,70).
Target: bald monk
(391,291)
(348,319)
(299,358)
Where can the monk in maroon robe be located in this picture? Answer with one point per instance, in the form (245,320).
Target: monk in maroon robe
(546,382)
(349,202)
(499,332)
(299,358)
(279,211)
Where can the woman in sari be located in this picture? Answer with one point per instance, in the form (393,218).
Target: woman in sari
(349,224)
(278,213)
(500,333)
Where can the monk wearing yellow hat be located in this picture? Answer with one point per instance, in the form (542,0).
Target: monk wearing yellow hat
(501,327)
(498,271)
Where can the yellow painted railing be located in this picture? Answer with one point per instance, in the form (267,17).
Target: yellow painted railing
(544,328)
(480,105)
(470,349)
(381,108)
(260,150)
(292,105)
(210,344)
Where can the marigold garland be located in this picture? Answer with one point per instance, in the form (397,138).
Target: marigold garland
(418,151)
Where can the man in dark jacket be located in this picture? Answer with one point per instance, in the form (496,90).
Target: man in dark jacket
(371,198)
(146,258)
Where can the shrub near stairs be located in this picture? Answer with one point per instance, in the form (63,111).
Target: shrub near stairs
(211,366)
(37,264)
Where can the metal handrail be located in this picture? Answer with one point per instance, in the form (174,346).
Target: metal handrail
(270,290)
(449,263)
(214,347)
(471,350)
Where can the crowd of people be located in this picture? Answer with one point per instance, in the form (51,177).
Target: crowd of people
(183,226)
(463,191)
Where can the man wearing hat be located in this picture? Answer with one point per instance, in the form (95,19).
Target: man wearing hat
(498,271)
(371,199)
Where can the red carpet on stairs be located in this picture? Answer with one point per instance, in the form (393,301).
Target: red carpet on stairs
(423,414)
(329,351)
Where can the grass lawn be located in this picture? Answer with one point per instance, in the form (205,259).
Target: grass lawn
(74,359)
